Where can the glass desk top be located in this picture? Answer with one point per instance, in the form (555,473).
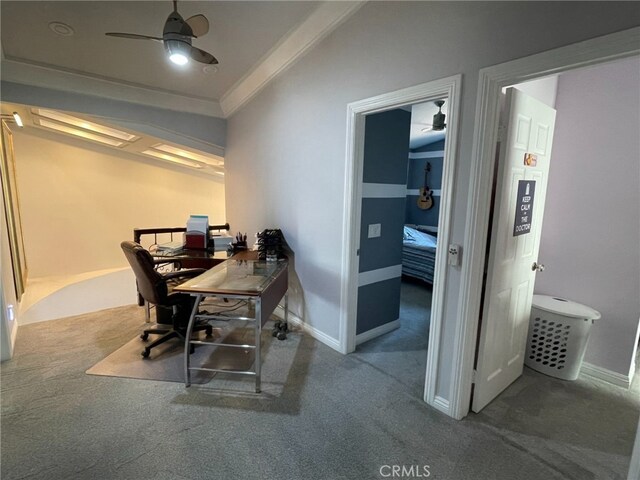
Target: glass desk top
(190,253)
(240,277)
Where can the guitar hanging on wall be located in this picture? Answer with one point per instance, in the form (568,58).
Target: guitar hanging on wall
(425,200)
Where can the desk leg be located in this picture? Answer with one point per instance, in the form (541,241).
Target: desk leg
(258,339)
(187,347)
(286,309)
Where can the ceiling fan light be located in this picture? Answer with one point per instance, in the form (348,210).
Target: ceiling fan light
(178,51)
(178,59)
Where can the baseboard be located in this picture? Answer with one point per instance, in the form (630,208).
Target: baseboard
(376,332)
(314,332)
(442,405)
(614,378)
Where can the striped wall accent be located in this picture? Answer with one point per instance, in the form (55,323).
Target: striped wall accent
(418,159)
(434,154)
(415,192)
(387,190)
(383,190)
(379,275)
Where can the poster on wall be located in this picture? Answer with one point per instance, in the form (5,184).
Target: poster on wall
(524,207)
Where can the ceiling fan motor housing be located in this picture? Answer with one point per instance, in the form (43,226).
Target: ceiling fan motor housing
(177,35)
(439,118)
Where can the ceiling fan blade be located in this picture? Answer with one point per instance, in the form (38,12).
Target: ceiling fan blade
(199,25)
(202,56)
(133,36)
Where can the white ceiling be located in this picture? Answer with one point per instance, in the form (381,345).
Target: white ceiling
(243,36)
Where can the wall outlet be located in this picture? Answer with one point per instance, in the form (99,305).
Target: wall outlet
(375,230)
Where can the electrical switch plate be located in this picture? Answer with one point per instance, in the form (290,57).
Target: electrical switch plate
(454,255)
(375,230)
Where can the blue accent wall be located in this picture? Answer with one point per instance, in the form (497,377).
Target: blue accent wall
(386,147)
(377,302)
(415,181)
(386,153)
(385,250)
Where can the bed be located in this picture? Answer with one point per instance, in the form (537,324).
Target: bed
(418,254)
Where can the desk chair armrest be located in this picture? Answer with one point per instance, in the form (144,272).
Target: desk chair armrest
(186,273)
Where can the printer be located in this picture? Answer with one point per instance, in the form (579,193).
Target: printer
(197,233)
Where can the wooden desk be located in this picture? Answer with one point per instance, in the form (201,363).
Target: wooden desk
(241,277)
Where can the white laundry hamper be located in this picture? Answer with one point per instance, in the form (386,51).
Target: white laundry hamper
(558,335)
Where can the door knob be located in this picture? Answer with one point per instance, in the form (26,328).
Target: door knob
(537,267)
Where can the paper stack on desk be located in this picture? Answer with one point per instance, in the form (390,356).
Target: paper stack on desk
(170,247)
(221,242)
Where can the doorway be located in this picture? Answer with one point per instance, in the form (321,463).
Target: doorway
(491,81)
(403,160)
(537,386)
(448,88)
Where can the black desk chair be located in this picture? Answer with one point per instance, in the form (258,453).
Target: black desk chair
(155,288)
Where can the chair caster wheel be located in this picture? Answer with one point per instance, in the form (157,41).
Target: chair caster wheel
(280,330)
(144,337)
(208,331)
(145,353)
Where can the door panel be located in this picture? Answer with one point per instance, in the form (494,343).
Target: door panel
(510,279)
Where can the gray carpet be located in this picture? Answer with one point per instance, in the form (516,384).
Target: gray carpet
(323,416)
(402,353)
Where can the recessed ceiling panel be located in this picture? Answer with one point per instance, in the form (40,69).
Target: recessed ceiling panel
(240,34)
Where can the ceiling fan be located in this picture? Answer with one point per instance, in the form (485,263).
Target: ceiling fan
(176,37)
(438,119)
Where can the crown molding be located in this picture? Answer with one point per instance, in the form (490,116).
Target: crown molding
(47,76)
(326,18)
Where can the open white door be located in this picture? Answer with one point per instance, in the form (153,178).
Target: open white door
(515,239)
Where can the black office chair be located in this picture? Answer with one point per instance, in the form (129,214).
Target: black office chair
(155,288)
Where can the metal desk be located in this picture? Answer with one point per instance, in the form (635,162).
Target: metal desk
(257,281)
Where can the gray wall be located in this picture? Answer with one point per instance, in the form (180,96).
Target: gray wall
(286,148)
(591,233)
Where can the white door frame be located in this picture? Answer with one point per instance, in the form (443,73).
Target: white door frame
(447,87)
(491,81)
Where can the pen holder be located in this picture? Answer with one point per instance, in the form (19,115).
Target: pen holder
(237,246)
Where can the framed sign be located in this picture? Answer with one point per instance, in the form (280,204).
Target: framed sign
(524,207)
